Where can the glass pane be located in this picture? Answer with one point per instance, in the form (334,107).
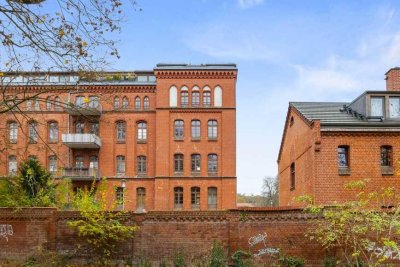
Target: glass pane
(377,106)
(394,107)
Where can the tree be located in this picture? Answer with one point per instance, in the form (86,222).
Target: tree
(270,191)
(34,177)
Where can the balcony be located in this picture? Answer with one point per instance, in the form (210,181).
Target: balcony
(81,174)
(82,110)
(81,140)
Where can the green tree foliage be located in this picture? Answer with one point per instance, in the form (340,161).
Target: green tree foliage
(35,178)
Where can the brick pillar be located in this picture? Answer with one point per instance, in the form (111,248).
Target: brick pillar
(393,79)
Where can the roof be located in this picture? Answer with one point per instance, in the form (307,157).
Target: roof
(223,66)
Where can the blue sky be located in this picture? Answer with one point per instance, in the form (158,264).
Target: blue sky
(286,50)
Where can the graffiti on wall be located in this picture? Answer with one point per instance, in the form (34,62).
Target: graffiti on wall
(259,243)
(387,252)
(6,230)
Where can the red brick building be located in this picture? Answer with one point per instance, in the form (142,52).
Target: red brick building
(165,139)
(326,145)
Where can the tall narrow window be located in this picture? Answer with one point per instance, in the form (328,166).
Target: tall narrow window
(292,176)
(80,101)
(141,165)
(29,105)
(116,102)
(57,104)
(207,99)
(173,96)
(196,130)
(121,131)
(94,128)
(184,99)
(386,156)
(120,165)
(178,129)
(13,132)
(377,106)
(33,132)
(125,103)
(79,164)
(178,163)
(212,163)
(37,104)
(394,107)
(79,127)
(53,132)
(94,163)
(195,99)
(140,198)
(48,103)
(195,197)
(146,103)
(53,164)
(212,198)
(12,165)
(94,101)
(212,129)
(196,163)
(142,132)
(218,96)
(178,197)
(119,197)
(343,156)
(137,103)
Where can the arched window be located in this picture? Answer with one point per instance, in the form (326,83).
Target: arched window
(184,97)
(57,104)
(121,131)
(146,103)
(48,103)
(142,132)
(53,164)
(13,132)
(140,198)
(29,105)
(120,197)
(196,163)
(33,132)
(125,103)
(120,165)
(292,176)
(212,198)
(173,96)
(195,197)
(178,163)
(137,103)
(12,165)
(80,101)
(94,101)
(37,104)
(207,99)
(53,132)
(79,127)
(195,97)
(212,129)
(212,163)
(141,165)
(116,102)
(178,197)
(196,130)
(217,96)
(179,129)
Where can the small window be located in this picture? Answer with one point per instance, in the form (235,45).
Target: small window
(195,198)
(142,132)
(343,156)
(33,132)
(12,165)
(94,128)
(173,97)
(141,165)
(94,164)
(178,129)
(212,198)
(146,103)
(218,96)
(48,103)
(120,165)
(195,99)
(79,164)
(292,176)
(291,121)
(178,197)
(116,102)
(140,198)
(386,156)
(119,197)
(212,163)
(29,105)
(121,131)
(94,101)
(184,99)
(80,101)
(79,127)
(53,132)
(57,104)
(37,104)
(212,129)
(53,164)
(137,103)
(196,130)
(377,106)
(13,132)
(196,163)
(178,163)
(207,99)
(125,103)
(394,107)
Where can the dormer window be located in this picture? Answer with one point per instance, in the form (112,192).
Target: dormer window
(377,106)
(394,107)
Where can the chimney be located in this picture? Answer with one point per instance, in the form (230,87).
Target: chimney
(393,79)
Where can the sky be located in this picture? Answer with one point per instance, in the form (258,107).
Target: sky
(286,50)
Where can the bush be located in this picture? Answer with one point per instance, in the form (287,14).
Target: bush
(291,261)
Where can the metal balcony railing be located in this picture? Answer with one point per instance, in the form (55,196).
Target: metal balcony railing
(81,140)
(81,173)
(83,109)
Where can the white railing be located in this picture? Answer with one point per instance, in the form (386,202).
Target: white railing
(73,172)
(81,140)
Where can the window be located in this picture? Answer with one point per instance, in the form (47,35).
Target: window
(173,97)
(33,133)
(142,131)
(80,101)
(94,101)
(178,129)
(212,198)
(119,197)
(291,121)
(377,106)
(120,164)
(343,156)
(140,198)
(12,165)
(196,163)
(207,99)
(125,103)
(79,127)
(178,197)
(121,131)
(116,102)
(48,103)
(386,156)
(394,107)
(146,103)
(137,103)
(53,132)
(212,163)
(292,176)
(195,197)
(212,129)
(53,164)
(195,129)
(79,162)
(57,104)
(94,163)
(141,165)
(195,99)
(37,104)
(13,132)
(184,99)
(218,96)
(94,128)
(29,105)
(178,163)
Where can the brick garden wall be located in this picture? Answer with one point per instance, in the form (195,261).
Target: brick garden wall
(162,234)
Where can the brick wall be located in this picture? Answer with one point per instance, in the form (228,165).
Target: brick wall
(393,79)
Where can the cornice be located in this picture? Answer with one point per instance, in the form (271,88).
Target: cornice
(374,134)
(195,74)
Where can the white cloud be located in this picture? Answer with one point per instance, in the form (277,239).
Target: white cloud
(249,3)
